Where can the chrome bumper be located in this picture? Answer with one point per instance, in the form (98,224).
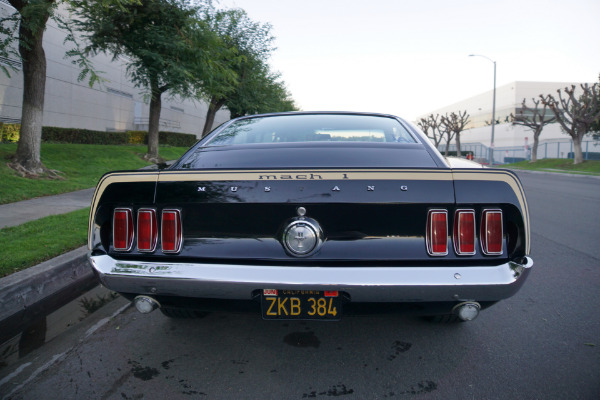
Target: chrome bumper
(363,284)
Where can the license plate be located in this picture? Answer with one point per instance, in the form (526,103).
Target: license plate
(301,304)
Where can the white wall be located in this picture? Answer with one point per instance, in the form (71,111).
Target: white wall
(507,135)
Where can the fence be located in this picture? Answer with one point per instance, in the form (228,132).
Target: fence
(546,149)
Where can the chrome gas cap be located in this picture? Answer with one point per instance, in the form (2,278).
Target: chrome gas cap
(301,238)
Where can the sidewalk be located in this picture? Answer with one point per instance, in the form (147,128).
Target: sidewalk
(18,213)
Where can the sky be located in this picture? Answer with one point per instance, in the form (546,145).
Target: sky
(409,58)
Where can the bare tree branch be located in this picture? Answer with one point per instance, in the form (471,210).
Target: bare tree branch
(433,128)
(534,119)
(454,124)
(576,114)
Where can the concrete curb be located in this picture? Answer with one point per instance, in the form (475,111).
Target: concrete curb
(26,294)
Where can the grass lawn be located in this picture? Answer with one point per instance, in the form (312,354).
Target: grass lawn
(82,165)
(559,165)
(33,242)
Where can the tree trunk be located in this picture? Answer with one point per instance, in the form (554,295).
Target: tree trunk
(213,107)
(458,154)
(536,142)
(447,147)
(153,123)
(577,149)
(27,158)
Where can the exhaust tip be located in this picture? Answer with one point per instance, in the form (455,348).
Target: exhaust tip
(145,304)
(467,311)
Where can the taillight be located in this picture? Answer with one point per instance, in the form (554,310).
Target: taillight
(147,230)
(437,232)
(122,229)
(171,235)
(464,232)
(491,232)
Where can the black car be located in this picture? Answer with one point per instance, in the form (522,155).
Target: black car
(312,216)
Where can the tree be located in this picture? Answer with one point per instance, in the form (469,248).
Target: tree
(275,97)
(26,26)
(535,119)
(575,113)
(454,124)
(433,128)
(167,48)
(259,91)
(252,41)
(596,125)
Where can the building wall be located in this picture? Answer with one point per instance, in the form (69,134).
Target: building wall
(506,135)
(114,105)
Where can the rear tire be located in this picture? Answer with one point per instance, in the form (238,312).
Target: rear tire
(182,313)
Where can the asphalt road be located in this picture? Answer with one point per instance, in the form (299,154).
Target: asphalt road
(543,343)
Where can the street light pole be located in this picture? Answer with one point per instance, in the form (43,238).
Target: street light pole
(491,160)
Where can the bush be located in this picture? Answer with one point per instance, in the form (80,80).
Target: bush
(176,139)
(9,132)
(82,136)
(86,136)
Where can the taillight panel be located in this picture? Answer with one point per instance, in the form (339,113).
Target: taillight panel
(464,235)
(146,230)
(465,232)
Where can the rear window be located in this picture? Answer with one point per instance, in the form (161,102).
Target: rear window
(312,128)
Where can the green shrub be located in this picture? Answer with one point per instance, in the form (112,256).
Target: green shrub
(9,132)
(86,136)
(82,136)
(176,139)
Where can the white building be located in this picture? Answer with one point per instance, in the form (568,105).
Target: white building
(511,141)
(115,105)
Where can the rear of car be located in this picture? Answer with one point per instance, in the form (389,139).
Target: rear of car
(312,216)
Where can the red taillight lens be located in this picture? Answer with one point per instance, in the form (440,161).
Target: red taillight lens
(437,232)
(122,229)
(171,235)
(491,232)
(464,232)
(147,230)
